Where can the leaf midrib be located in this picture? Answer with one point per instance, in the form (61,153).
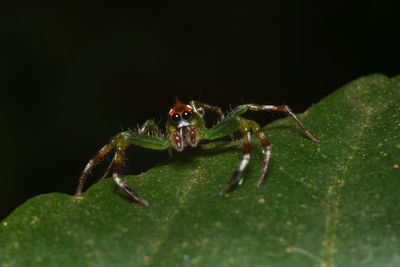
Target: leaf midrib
(329,248)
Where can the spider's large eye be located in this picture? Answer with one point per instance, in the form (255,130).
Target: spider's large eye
(186,115)
(176,118)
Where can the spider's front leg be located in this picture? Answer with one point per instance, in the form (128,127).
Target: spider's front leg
(266,150)
(117,164)
(229,127)
(148,128)
(232,125)
(126,139)
(237,177)
(120,142)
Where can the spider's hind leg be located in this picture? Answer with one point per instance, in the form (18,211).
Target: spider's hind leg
(237,177)
(201,107)
(248,126)
(266,150)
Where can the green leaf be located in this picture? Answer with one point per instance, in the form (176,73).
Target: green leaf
(335,203)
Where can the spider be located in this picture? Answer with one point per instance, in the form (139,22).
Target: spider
(185,126)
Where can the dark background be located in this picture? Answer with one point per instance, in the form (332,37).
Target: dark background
(72,76)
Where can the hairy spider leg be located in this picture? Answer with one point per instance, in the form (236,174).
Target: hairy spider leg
(118,161)
(237,177)
(124,140)
(284,108)
(200,107)
(120,142)
(150,128)
(266,149)
(109,167)
(227,128)
(224,128)
(96,159)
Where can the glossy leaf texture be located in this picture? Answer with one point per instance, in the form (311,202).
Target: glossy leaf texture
(335,203)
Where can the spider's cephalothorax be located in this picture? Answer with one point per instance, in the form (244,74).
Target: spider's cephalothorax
(185,127)
(181,126)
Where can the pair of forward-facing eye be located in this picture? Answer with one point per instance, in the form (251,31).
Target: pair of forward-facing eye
(185,116)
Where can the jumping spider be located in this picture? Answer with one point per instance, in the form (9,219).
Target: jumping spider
(186,127)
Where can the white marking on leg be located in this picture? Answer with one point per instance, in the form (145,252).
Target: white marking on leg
(268,152)
(118,180)
(244,162)
(267,155)
(246,156)
(267,107)
(90,164)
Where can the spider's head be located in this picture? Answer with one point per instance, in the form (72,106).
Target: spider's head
(180,115)
(182,126)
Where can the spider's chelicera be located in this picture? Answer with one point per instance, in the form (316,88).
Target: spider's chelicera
(186,127)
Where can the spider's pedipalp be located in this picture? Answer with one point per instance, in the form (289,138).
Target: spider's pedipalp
(192,136)
(177,141)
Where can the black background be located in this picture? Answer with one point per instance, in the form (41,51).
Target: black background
(73,76)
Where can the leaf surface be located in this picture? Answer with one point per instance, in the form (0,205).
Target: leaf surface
(335,203)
